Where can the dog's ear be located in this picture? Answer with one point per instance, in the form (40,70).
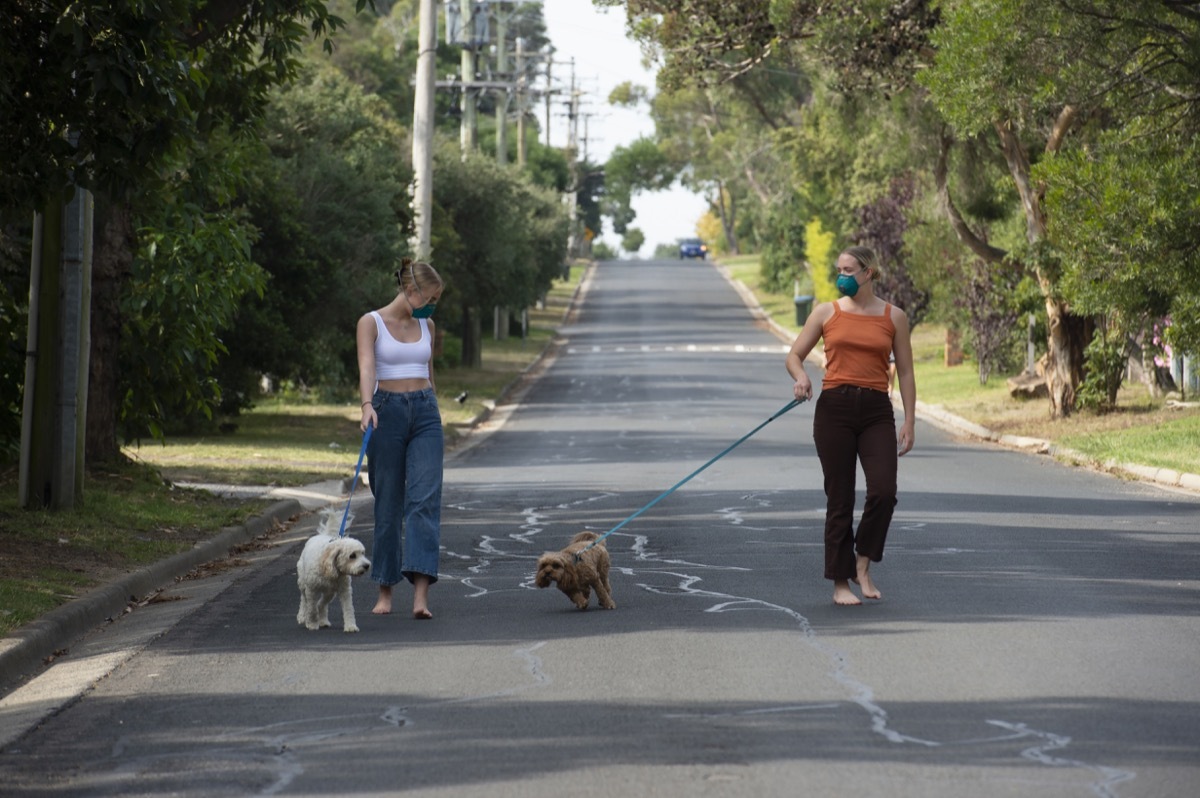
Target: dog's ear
(327,564)
(568,578)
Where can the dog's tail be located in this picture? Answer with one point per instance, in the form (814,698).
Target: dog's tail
(585,537)
(331,521)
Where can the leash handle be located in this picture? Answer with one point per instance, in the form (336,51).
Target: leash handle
(357,470)
(680,483)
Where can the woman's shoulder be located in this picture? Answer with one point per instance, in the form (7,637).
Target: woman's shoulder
(899,320)
(371,318)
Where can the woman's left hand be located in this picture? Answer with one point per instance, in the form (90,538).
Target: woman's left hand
(905,440)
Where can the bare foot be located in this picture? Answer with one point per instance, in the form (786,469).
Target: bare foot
(421,598)
(843,595)
(864,580)
(384,605)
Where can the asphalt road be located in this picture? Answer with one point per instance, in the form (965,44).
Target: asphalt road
(1038,636)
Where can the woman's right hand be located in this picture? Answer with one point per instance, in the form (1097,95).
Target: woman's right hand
(802,388)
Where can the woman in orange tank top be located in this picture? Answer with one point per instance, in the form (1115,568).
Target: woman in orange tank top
(854,422)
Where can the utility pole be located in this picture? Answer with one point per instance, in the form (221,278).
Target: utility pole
(499,312)
(549,92)
(586,121)
(522,99)
(502,18)
(423,110)
(54,416)
(573,163)
(466,133)
(466,27)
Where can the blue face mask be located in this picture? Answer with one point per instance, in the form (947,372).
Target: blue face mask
(425,311)
(847,284)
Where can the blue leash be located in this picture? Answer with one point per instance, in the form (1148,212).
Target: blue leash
(357,470)
(678,484)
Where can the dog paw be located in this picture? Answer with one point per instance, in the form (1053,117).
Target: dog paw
(350,629)
(311,627)
(610,605)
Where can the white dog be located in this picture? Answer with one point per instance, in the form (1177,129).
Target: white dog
(324,570)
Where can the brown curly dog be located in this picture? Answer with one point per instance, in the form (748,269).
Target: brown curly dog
(577,579)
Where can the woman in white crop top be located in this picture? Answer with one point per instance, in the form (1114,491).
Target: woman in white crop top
(404,466)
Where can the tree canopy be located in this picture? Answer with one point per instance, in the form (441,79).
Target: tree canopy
(1018,128)
(252,194)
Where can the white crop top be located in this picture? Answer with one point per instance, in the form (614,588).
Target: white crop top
(396,360)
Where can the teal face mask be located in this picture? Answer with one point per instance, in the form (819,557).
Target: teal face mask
(425,311)
(847,285)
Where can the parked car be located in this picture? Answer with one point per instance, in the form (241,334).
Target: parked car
(692,248)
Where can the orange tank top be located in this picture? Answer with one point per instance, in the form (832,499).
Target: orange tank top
(857,349)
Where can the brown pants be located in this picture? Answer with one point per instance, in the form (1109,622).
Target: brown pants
(852,425)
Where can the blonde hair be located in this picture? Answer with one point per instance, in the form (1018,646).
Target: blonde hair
(418,274)
(866,258)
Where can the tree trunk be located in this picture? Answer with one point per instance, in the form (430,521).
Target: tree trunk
(112,265)
(728,217)
(1068,340)
(1068,334)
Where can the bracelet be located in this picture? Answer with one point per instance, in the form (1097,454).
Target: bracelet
(364,404)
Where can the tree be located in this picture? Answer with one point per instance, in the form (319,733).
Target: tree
(632,241)
(192,272)
(992,75)
(1126,206)
(1042,80)
(883,224)
(139,83)
(14,297)
(331,205)
(722,140)
(497,240)
(640,166)
(1128,212)
(136,80)
(988,299)
(875,43)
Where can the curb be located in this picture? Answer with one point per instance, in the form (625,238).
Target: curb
(27,648)
(1160,476)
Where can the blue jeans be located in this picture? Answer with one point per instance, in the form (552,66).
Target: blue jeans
(405,472)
